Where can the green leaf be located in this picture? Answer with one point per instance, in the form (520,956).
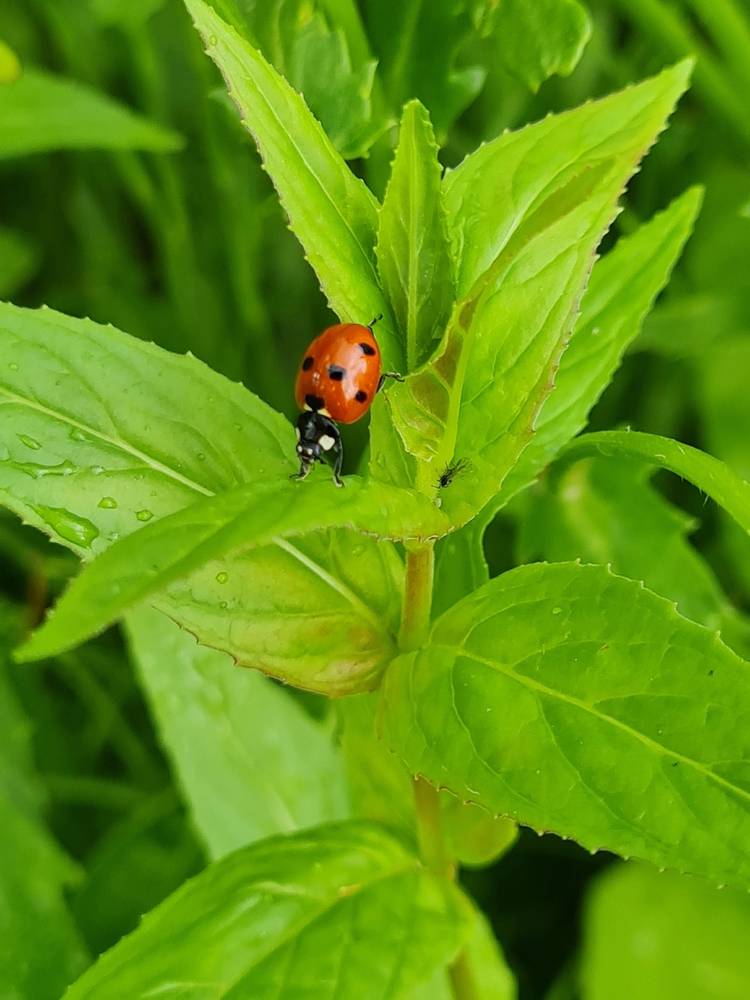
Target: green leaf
(537,40)
(527,213)
(40,112)
(340,911)
(331,211)
(578,702)
(322,50)
(250,761)
(381,790)
(488,976)
(655,935)
(88,458)
(414,256)
(18,260)
(607,512)
(460,565)
(419,46)
(704,471)
(623,287)
(319,610)
(40,950)
(254,515)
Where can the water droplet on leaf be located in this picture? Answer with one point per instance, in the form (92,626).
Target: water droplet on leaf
(29,442)
(108,503)
(69,526)
(144,515)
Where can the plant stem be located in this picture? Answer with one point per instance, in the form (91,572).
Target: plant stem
(430,830)
(415,623)
(415,618)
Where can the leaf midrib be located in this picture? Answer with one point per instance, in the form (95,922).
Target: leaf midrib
(115,442)
(295,930)
(122,445)
(588,707)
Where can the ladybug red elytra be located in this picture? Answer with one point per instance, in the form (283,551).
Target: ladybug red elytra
(336,384)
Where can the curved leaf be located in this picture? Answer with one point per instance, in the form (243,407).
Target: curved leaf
(704,471)
(606,511)
(138,567)
(578,702)
(100,432)
(340,911)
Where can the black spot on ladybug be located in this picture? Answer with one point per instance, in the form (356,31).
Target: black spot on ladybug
(360,396)
(314,402)
(367,349)
(336,372)
(308,363)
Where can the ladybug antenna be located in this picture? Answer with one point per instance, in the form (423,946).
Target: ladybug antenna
(372,322)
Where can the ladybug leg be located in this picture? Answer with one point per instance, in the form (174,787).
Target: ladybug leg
(334,456)
(304,470)
(396,376)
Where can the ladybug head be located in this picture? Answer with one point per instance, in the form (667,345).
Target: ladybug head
(316,434)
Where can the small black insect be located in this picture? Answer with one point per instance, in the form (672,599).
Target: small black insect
(451,472)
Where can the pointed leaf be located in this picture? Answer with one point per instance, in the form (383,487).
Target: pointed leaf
(578,702)
(330,210)
(623,287)
(528,211)
(414,256)
(250,761)
(40,112)
(339,911)
(139,567)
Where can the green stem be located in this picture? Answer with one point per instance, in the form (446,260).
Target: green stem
(415,619)
(415,624)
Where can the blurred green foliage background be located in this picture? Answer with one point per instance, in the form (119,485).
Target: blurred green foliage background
(154,215)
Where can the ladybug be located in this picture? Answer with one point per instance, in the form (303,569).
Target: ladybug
(336,383)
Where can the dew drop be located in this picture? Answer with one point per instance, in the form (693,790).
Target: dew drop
(201,457)
(556,611)
(224,605)
(144,515)
(222,577)
(29,442)
(77,435)
(108,503)
(69,526)
(97,470)
(13,366)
